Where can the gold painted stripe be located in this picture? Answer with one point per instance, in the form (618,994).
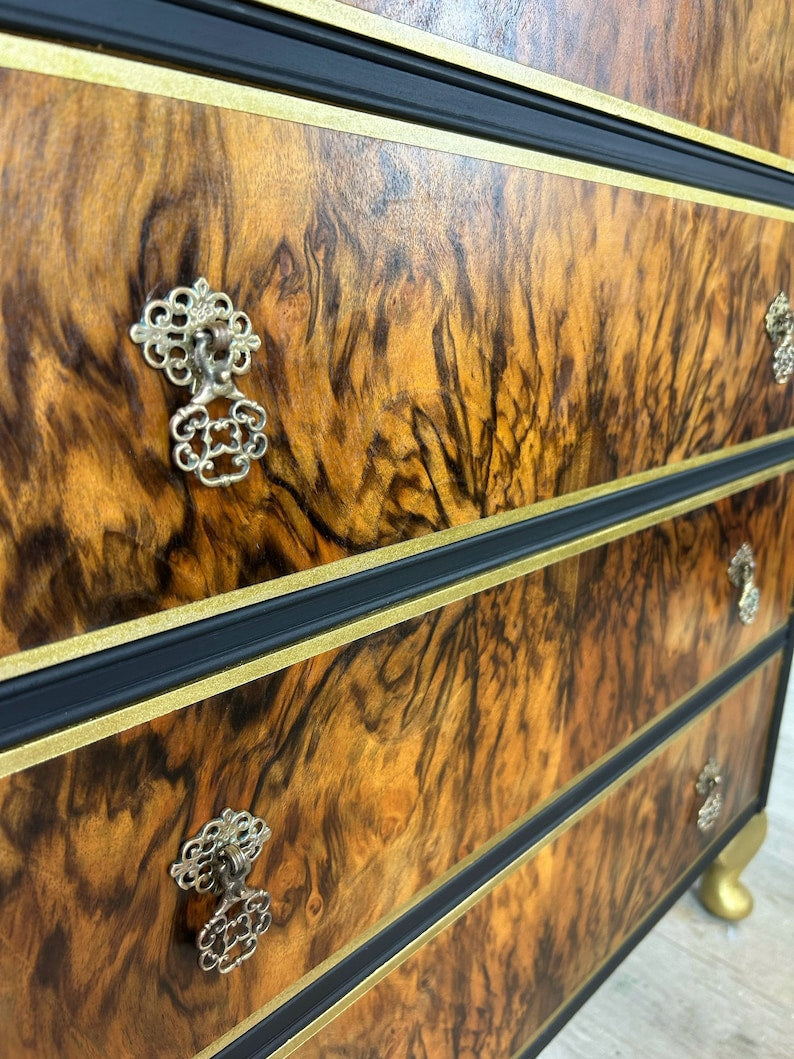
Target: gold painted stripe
(36,56)
(36,658)
(94,729)
(454,914)
(401,35)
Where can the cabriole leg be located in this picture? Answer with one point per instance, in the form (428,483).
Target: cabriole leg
(721,890)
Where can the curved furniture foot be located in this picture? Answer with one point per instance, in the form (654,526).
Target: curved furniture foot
(721,891)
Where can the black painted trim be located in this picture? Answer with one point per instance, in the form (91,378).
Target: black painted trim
(60,695)
(281,51)
(312,1002)
(777,714)
(620,954)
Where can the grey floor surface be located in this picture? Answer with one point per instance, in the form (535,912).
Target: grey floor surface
(702,988)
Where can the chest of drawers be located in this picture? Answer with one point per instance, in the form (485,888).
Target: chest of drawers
(475,658)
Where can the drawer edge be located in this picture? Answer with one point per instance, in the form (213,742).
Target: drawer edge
(388,30)
(333,987)
(418,99)
(71,704)
(568,1009)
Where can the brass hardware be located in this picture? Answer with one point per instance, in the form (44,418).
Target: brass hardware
(741,573)
(780,328)
(217,860)
(199,340)
(709,786)
(721,890)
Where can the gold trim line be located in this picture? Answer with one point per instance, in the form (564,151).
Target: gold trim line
(402,35)
(474,898)
(96,728)
(44,57)
(35,658)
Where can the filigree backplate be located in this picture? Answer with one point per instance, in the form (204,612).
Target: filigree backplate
(168,326)
(196,337)
(218,860)
(227,940)
(741,574)
(709,812)
(200,859)
(742,566)
(708,786)
(709,778)
(201,440)
(749,604)
(780,328)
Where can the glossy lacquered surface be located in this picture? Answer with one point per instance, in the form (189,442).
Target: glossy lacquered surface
(724,67)
(486,985)
(378,768)
(443,339)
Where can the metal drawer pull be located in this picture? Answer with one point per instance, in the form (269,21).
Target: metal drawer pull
(217,860)
(741,573)
(780,328)
(198,339)
(709,786)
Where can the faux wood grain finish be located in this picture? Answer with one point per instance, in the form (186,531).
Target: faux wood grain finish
(378,767)
(488,983)
(725,67)
(444,339)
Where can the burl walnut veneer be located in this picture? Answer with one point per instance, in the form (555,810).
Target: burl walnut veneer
(398,742)
(379,767)
(488,983)
(443,339)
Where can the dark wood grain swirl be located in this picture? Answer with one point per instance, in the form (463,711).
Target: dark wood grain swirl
(378,766)
(725,67)
(443,339)
(484,987)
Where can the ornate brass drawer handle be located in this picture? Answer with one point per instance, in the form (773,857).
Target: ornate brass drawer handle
(780,328)
(709,786)
(217,860)
(198,339)
(741,573)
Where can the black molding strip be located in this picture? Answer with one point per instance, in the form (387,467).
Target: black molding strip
(777,714)
(319,996)
(58,696)
(620,954)
(280,51)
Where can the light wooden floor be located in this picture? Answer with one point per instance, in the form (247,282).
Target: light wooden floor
(697,986)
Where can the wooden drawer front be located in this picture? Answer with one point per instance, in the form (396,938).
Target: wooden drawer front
(444,338)
(726,70)
(486,986)
(378,767)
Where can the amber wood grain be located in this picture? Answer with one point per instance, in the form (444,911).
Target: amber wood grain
(486,985)
(378,767)
(443,339)
(725,67)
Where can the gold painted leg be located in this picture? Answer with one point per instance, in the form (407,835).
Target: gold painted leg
(721,891)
